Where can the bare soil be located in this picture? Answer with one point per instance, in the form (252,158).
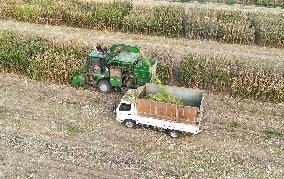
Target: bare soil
(156,47)
(55,131)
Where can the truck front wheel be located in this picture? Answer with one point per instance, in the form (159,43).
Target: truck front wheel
(104,86)
(129,123)
(174,133)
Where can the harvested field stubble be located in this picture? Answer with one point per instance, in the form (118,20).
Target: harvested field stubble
(167,20)
(239,138)
(57,63)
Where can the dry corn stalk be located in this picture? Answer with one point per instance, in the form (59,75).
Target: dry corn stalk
(171,21)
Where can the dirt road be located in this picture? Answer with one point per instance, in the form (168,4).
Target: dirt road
(54,131)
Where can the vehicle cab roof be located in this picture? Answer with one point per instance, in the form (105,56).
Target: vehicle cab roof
(97,54)
(126,57)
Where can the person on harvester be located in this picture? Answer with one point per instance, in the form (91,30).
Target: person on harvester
(100,49)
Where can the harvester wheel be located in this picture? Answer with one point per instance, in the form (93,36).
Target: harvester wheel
(129,123)
(104,86)
(174,133)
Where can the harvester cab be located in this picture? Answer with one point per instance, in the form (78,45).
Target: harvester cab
(121,66)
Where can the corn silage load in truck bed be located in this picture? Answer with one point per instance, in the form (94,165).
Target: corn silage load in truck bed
(133,95)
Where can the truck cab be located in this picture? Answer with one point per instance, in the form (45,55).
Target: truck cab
(126,113)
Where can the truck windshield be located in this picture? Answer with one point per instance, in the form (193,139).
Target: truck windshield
(124,107)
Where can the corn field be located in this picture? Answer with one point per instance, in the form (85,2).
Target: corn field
(224,26)
(106,16)
(162,20)
(38,58)
(231,77)
(16,51)
(269,30)
(166,20)
(165,66)
(270,3)
(41,59)
(54,65)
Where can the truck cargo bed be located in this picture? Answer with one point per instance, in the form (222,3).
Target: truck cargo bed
(190,112)
(179,113)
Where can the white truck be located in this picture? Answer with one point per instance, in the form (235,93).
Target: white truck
(175,119)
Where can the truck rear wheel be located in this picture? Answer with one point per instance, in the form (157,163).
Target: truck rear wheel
(174,133)
(129,123)
(104,86)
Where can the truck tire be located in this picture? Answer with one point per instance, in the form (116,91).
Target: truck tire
(129,123)
(104,86)
(174,133)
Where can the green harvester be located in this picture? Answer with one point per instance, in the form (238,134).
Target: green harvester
(121,66)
